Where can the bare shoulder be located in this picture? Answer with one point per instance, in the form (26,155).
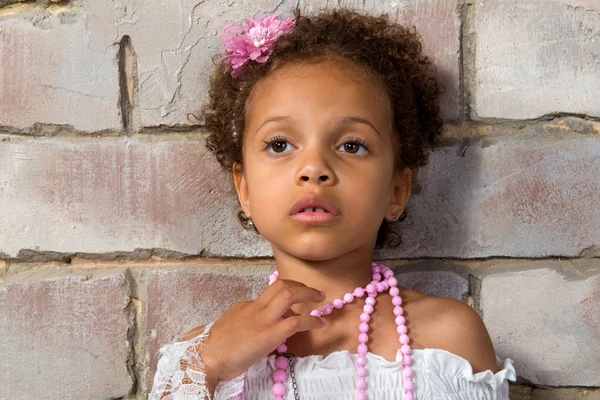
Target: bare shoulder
(193,333)
(456,327)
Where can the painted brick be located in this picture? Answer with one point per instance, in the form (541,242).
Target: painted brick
(117,194)
(432,277)
(536,58)
(58,73)
(516,198)
(202,296)
(64,337)
(174,47)
(548,322)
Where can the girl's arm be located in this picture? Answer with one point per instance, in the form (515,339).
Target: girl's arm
(182,368)
(247,332)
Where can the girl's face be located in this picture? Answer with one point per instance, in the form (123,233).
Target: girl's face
(321,129)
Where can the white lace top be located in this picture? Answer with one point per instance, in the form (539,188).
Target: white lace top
(439,375)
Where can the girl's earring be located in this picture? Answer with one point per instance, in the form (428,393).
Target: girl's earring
(250,222)
(396,216)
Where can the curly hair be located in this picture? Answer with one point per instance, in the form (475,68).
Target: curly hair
(390,52)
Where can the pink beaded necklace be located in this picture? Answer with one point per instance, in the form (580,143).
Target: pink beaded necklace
(372,290)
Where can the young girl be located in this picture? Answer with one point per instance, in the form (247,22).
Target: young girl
(322,120)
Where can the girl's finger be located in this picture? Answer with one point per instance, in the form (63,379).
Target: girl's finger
(284,300)
(289,313)
(290,326)
(271,291)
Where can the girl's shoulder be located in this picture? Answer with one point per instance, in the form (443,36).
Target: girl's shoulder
(449,324)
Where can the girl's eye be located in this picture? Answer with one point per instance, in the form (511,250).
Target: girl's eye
(277,143)
(353,146)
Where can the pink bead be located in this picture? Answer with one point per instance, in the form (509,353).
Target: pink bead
(398,310)
(281,362)
(315,313)
(394,291)
(363,327)
(388,273)
(405,349)
(404,338)
(327,309)
(361,361)
(361,371)
(400,320)
(371,288)
(276,398)
(361,396)
(363,337)
(408,385)
(282,348)
(386,286)
(379,287)
(278,389)
(284,340)
(408,396)
(392,281)
(408,372)
(361,384)
(396,300)
(368,308)
(280,375)
(348,297)
(370,301)
(376,269)
(362,349)
(359,292)
(376,277)
(401,329)
(338,303)
(364,317)
(407,359)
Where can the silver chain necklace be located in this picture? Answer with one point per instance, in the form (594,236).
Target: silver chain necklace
(289,356)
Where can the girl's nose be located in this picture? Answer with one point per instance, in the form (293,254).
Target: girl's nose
(314,168)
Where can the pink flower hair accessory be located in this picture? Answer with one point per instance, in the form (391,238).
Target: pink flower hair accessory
(254,41)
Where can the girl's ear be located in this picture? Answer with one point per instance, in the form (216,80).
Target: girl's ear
(241,187)
(399,192)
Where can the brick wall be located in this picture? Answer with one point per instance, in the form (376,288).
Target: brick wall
(116,224)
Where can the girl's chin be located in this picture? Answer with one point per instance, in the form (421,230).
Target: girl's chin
(311,251)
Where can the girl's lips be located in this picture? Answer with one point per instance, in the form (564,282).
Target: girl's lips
(314,218)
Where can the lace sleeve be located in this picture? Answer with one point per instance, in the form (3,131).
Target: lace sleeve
(180,374)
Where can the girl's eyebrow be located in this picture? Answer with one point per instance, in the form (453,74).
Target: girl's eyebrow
(348,120)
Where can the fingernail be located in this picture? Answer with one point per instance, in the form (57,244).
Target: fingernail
(323,320)
(322,293)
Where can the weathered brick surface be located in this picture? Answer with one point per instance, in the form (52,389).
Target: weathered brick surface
(516,198)
(117,194)
(57,72)
(547,321)
(180,299)
(536,57)
(2,274)
(174,47)
(64,337)
(521,392)
(432,277)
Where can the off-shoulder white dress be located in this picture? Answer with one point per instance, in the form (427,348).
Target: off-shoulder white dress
(439,375)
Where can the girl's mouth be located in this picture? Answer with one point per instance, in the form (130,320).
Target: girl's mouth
(313,217)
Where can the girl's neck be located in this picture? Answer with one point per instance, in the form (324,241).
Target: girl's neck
(335,277)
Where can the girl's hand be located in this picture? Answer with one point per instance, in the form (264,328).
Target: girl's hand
(250,330)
